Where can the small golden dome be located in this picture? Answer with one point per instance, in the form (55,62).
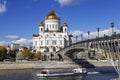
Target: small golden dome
(41,24)
(65,24)
(52,15)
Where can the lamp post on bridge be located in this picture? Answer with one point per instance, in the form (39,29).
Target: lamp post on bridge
(98,30)
(112,26)
(81,35)
(98,47)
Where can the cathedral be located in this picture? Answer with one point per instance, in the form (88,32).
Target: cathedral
(52,36)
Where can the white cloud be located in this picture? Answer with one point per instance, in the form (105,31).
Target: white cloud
(3,7)
(76,35)
(67,2)
(23,42)
(28,42)
(9,39)
(11,36)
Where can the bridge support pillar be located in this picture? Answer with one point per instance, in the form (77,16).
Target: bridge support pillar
(119,66)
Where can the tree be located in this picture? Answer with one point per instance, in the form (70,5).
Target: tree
(37,55)
(25,54)
(12,53)
(3,53)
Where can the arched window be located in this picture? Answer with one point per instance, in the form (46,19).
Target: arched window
(54,42)
(56,26)
(41,29)
(50,26)
(60,42)
(53,26)
(65,30)
(47,42)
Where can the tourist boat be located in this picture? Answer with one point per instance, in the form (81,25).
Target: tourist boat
(72,72)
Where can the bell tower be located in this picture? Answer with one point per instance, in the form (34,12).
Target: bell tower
(65,27)
(41,27)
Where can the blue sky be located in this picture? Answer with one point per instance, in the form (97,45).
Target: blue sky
(19,19)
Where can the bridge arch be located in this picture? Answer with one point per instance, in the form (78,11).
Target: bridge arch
(73,53)
(68,51)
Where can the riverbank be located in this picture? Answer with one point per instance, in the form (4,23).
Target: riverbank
(47,64)
(36,64)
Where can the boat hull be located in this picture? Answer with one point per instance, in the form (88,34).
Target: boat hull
(61,74)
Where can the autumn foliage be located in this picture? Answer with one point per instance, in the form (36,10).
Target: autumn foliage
(37,55)
(25,54)
(3,52)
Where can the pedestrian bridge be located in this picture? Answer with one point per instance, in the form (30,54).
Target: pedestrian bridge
(107,47)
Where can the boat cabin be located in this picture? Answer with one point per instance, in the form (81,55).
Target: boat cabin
(80,70)
(45,72)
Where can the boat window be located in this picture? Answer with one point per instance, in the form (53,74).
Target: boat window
(44,72)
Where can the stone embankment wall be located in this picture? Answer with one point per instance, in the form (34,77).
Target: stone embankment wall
(47,64)
(36,64)
(17,65)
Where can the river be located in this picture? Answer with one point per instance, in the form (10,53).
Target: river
(30,74)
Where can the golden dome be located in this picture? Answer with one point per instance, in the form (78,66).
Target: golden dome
(65,24)
(41,24)
(52,15)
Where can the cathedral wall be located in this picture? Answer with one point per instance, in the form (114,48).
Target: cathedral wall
(51,38)
(52,24)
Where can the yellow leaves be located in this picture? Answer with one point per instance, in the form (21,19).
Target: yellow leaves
(25,54)
(102,56)
(3,52)
(3,49)
(37,55)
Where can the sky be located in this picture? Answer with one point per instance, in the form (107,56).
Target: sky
(19,19)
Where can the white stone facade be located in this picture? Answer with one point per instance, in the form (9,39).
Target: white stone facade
(51,36)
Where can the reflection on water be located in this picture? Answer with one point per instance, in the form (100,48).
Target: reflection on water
(107,74)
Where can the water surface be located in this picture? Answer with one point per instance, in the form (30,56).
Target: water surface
(105,74)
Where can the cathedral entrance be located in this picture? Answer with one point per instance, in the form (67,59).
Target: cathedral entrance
(47,49)
(54,49)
